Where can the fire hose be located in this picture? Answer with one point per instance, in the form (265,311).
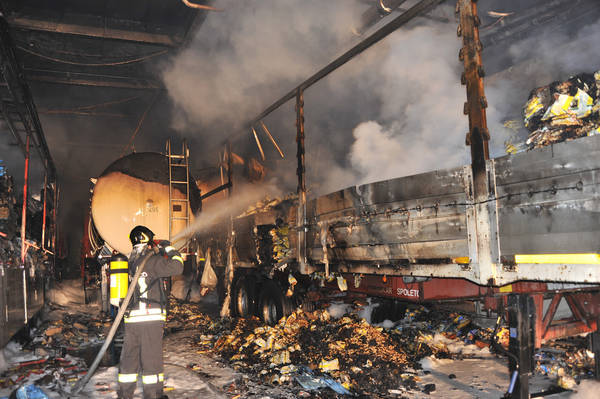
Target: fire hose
(113,329)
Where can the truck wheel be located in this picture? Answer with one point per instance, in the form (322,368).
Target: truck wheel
(244,298)
(271,302)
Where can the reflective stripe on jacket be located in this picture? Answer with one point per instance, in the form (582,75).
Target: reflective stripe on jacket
(146,314)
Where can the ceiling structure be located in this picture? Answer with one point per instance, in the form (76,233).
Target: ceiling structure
(96,42)
(92,70)
(94,62)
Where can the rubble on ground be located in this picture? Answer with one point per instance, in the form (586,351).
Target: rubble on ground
(565,359)
(307,353)
(51,358)
(562,111)
(312,350)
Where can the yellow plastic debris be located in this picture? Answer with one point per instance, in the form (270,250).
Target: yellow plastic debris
(329,365)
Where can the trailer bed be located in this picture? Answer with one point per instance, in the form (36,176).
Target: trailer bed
(544,221)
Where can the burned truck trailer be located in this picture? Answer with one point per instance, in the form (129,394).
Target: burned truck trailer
(416,237)
(517,233)
(419,239)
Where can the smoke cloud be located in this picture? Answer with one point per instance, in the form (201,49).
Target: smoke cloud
(243,57)
(401,97)
(419,125)
(219,212)
(395,110)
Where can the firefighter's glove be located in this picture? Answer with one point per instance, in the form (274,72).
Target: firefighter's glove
(170,251)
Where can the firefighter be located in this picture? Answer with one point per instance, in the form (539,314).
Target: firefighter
(146,315)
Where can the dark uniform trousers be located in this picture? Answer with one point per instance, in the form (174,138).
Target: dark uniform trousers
(148,363)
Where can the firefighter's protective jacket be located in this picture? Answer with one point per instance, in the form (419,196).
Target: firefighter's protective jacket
(149,301)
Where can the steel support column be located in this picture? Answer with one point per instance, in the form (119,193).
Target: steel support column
(54,227)
(4,335)
(301,219)
(521,313)
(24,209)
(44,212)
(24,228)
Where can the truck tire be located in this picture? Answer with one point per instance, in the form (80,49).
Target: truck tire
(244,297)
(272,302)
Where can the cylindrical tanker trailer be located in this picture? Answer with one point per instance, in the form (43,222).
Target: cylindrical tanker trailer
(138,189)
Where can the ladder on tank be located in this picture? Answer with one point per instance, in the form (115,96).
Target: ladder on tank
(179,179)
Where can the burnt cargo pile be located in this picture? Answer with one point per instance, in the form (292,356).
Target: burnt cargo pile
(310,351)
(563,111)
(316,352)
(307,354)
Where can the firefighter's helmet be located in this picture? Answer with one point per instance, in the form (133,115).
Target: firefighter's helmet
(141,235)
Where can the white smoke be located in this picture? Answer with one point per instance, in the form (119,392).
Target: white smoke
(394,110)
(247,55)
(419,126)
(587,389)
(219,212)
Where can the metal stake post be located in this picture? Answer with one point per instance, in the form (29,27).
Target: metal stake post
(477,137)
(229,269)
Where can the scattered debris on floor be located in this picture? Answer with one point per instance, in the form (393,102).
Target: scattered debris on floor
(54,355)
(307,354)
(312,351)
(565,360)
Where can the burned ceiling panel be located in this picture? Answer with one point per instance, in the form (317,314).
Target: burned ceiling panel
(98,43)
(144,21)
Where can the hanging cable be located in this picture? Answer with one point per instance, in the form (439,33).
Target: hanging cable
(139,125)
(81,110)
(124,62)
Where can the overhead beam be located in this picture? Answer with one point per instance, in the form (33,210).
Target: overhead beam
(88,79)
(92,31)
